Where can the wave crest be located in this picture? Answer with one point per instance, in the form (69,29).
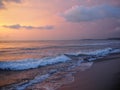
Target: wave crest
(35,63)
(32,63)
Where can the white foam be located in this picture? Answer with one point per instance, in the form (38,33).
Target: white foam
(23,85)
(37,79)
(101,52)
(32,63)
(96,53)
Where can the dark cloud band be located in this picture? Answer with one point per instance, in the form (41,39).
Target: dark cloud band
(18,26)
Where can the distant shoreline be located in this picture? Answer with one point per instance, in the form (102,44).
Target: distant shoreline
(55,40)
(113,38)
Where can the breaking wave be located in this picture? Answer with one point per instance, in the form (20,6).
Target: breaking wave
(35,63)
(31,63)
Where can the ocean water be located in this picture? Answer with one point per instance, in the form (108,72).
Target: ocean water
(18,50)
(26,65)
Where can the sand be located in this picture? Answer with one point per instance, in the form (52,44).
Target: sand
(103,75)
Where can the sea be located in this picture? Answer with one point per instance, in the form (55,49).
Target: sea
(47,65)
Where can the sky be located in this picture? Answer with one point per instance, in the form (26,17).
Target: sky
(59,19)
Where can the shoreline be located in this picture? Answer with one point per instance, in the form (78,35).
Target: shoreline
(103,75)
(95,77)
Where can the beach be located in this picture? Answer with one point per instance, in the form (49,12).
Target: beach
(59,44)
(103,75)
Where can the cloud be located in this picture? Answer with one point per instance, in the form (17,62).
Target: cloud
(82,13)
(18,26)
(3,3)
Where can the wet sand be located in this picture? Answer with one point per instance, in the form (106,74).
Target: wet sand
(103,75)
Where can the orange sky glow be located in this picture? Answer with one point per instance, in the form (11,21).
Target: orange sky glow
(57,19)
